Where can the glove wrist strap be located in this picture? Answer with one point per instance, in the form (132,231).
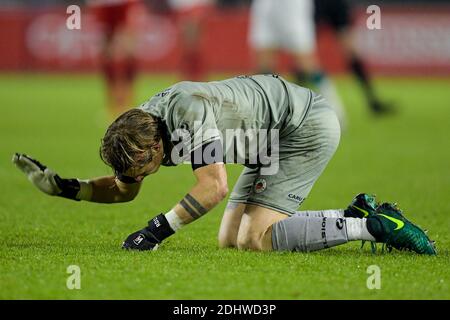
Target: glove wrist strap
(74,189)
(69,187)
(159,227)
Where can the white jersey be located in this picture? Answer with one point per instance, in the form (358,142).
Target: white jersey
(283,24)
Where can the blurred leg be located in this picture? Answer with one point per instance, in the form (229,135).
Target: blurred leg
(117,58)
(265,59)
(192,23)
(308,72)
(357,67)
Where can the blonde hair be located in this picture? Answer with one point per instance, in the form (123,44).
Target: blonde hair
(129,139)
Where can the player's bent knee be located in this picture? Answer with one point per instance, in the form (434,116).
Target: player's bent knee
(249,241)
(255,231)
(229,227)
(226,241)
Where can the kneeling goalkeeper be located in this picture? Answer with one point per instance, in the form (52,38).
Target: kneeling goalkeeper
(290,135)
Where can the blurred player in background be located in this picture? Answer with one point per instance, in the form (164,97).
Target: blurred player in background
(117,59)
(289,25)
(190,16)
(337,15)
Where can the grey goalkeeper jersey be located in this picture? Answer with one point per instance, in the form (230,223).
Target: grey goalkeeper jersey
(210,111)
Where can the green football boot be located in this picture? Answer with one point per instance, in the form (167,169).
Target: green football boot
(362,206)
(390,227)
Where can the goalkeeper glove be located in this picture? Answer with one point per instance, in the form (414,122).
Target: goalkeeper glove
(151,236)
(49,182)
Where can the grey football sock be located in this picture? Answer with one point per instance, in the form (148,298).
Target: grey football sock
(301,233)
(333,213)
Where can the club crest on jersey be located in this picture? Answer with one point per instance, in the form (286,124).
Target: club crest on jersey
(260,185)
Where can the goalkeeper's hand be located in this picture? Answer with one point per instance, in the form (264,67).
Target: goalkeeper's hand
(141,240)
(149,237)
(46,179)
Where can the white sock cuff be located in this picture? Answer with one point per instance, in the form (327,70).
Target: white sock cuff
(174,220)
(85,192)
(330,213)
(333,213)
(357,229)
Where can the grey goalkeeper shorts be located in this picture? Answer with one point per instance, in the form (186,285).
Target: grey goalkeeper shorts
(303,155)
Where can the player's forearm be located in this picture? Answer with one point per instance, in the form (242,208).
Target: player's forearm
(105,190)
(101,190)
(203,197)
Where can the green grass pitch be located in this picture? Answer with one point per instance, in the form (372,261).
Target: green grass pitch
(60,119)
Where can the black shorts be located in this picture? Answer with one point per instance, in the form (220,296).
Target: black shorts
(335,13)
